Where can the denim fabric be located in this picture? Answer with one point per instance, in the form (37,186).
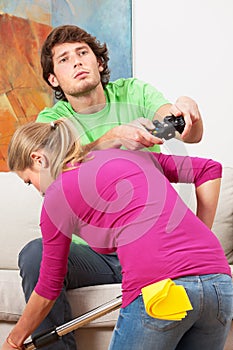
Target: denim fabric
(205,327)
(85,268)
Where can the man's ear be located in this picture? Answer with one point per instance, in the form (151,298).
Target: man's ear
(53,80)
(101,68)
(39,160)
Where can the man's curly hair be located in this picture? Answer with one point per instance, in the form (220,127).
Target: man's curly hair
(71,34)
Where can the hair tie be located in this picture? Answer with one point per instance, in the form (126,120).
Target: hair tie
(53,125)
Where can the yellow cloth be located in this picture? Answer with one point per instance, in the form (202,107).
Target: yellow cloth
(165,300)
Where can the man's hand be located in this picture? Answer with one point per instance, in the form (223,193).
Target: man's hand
(188,108)
(132,136)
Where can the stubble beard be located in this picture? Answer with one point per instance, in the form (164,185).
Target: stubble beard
(84,90)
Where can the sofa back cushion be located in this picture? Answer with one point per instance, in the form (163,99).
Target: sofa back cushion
(223,223)
(20,207)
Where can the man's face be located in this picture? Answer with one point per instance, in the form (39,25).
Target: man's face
(76,69)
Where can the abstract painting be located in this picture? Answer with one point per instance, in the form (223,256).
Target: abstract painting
(24,25)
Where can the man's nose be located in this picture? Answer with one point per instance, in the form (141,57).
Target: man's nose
(77,61)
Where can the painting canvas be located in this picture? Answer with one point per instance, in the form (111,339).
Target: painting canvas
(24,25)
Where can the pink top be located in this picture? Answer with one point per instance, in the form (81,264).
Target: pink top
(123,201)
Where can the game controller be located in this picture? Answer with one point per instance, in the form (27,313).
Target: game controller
(168,127)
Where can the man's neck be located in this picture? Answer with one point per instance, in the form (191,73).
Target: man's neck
(89,103)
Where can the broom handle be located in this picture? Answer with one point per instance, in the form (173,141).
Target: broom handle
(54,334)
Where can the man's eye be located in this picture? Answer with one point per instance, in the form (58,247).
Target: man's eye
(83,52)
(62,60)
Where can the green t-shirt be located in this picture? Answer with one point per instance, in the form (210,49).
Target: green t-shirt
(126,100)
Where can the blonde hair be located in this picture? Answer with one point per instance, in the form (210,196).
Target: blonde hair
(58,139)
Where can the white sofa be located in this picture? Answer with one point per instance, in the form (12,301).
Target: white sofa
(19,218)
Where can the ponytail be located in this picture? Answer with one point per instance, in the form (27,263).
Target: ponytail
(58,139)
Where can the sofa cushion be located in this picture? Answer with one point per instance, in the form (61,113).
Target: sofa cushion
(19,217)
(12,300)
(223,223)
(82,300)
(86,299)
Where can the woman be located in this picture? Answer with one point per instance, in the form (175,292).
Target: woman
(123,201)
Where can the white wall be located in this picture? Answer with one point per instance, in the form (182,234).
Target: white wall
(185,47)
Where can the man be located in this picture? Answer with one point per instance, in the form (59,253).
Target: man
(107,114)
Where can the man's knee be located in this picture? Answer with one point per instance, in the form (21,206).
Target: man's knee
(29,259)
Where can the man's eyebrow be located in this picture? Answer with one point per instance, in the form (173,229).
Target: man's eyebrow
(61,55)
(64,53)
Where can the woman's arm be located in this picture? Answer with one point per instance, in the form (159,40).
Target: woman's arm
(185,169)
(53,266)
(35,311)
(205,174)
(207,199)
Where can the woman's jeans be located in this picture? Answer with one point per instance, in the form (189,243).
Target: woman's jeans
(204,328)
(85,268)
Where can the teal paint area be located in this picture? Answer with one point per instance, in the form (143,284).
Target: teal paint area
(110,21)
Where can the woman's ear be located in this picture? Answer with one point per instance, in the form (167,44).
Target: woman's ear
(39,160)
(53,80)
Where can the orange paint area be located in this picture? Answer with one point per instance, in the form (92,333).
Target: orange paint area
(23,92)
